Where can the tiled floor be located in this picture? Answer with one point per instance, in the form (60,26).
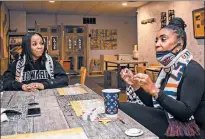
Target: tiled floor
(97,85)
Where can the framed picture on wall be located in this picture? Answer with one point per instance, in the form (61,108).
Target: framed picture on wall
(198,23)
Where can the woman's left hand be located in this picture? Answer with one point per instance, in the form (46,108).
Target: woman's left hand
(146,83)
(39,86)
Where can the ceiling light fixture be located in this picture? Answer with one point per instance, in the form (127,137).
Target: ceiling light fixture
(124,3)
(52,1)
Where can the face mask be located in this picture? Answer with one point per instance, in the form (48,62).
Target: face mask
(165,57)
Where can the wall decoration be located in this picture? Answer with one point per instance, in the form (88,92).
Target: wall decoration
(150,20)
(15,49)
(163,19)
(103,39)
(198,23)
(171,14)
(45,39)
(54,42)
(144,22)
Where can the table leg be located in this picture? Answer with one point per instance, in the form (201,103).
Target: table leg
(69,80)
(106,65)
(128,66)
(118,77)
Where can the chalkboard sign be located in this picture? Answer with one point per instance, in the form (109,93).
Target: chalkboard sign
(54,40)
(45,39)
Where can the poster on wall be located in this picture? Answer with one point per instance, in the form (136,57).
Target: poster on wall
(198,23)
(14,48)
(103,39)
(54,40)
(163,19)
(45,39)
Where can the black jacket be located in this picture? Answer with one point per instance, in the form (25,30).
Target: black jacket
(190,96)
(37,73)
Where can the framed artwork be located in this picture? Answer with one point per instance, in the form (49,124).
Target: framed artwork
(171,14)
(103,39)
(163,19)
(198,23)
(54,42)
(45,38)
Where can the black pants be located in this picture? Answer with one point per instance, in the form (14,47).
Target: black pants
(153,119)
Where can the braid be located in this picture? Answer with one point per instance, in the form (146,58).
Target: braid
(178,25)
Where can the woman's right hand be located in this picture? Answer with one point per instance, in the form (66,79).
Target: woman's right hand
(25,88)
(127,76)
(29,88)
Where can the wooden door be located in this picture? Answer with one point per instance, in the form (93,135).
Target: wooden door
(75,46)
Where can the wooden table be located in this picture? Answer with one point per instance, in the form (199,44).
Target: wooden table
(120,62)
(57,114)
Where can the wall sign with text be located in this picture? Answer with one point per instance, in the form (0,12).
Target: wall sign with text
(45,39)
(54,42)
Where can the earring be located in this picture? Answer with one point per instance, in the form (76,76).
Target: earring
(177,50)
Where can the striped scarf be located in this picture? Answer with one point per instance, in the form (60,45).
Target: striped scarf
(177,128)
(21,65)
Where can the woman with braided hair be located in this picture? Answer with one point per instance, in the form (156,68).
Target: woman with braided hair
(35,69)
(174,106)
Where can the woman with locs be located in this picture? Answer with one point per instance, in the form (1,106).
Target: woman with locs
(174,106)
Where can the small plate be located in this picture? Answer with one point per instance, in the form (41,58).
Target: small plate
(134,132)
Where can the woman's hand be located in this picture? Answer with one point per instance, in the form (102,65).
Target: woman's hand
(32,87)
(25,88)
(146,83)
(127,76)
(39,86)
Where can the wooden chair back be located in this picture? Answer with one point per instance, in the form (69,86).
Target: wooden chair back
(82,75)
(154,64)
(140,69)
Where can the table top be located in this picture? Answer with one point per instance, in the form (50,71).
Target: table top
(126,61)
(57,114)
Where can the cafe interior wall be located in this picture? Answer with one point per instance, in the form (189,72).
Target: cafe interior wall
(147,32)
(126,29)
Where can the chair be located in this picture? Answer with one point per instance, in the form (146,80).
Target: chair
(154,64)
(140,69)
(82,75)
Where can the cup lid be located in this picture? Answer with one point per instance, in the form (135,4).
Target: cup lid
(110,90)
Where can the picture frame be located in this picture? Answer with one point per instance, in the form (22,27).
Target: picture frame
(198,23)
(171,14)
(163,19)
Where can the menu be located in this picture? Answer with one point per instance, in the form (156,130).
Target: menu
(72,133)
(82,106)
(74,90)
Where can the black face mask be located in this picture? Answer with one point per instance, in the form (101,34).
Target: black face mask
(165,57)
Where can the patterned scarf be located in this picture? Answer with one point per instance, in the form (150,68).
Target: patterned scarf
(21,65)
(177,128)
(132,96)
